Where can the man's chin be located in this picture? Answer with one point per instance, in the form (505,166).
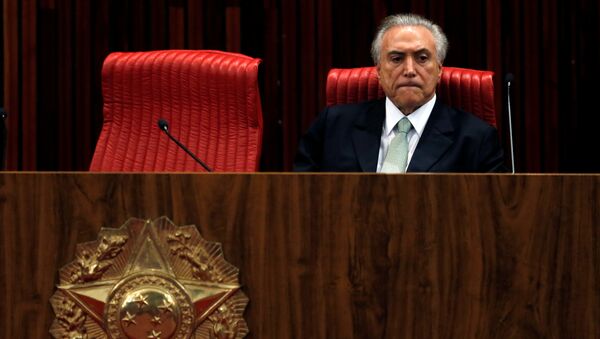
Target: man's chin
(408,106)
(409,94)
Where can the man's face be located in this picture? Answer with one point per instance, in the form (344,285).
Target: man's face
(408,68)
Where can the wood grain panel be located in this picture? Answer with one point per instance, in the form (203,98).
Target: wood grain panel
(337,256)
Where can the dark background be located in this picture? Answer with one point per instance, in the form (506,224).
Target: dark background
(53,52)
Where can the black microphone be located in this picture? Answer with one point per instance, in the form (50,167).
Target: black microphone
(164,126)
(509,78)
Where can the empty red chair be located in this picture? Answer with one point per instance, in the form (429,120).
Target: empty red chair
(467,89)
(209,98)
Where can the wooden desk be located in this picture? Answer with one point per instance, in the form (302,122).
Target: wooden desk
(337,256)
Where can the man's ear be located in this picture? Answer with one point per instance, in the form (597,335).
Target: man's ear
(378,68)
(440,71)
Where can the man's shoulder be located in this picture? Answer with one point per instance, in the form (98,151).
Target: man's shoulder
(464,119)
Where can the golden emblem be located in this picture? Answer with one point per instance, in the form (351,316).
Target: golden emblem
(149,279)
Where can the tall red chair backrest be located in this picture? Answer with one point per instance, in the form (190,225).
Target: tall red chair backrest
(467,89)
(210,99)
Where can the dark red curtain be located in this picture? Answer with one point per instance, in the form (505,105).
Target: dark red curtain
(53,52)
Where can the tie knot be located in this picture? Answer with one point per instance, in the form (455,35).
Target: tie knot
(404,125)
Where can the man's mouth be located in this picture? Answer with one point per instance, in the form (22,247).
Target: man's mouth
(409,85)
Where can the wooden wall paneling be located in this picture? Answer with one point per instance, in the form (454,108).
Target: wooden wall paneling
(291,65)
(545,45)
(340,23)
(353,26)
(29,83)
(463,39)
(48,90)
(12,82)
(195,24)
(214,28)
(233,26)
(436,11)
(569,85)
(65,83)
(158,25)
(473,52)
(592,164)
(2,37)
(100,49)
(549,65)
(585,57)
(82,148)
(418,7)
(137,26)
(118,33)
(324,36)
(589,55)
(307,60)
(176,22)
(379,11)
(513,48)
(458,35)
(270,44)
(493,49)
(3,137)
(531,75)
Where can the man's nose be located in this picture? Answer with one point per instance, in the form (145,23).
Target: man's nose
(409,67)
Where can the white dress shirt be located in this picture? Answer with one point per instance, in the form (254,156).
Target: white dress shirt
(418,119)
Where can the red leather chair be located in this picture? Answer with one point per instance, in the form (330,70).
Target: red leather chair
(210,99)
(466,89)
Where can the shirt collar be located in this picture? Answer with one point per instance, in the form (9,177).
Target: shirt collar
(418,118)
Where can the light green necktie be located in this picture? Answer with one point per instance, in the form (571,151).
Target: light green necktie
(397,155)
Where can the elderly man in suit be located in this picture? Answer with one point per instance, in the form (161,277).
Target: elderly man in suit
(410,130)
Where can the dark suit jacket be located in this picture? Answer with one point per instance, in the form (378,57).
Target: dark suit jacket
(346,138)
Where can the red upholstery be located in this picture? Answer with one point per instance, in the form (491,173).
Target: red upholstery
(210,99)
(466,89)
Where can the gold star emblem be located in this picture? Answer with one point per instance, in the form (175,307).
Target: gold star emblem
(156,320)
(144,282)
(166,307)
(140,300)
(129,319)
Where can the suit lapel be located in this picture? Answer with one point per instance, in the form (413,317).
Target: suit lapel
(366,135)
(437,137)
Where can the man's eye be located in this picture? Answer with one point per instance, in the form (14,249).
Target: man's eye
(423,57)
(396,58)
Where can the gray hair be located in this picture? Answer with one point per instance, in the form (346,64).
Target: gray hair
(441,42)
